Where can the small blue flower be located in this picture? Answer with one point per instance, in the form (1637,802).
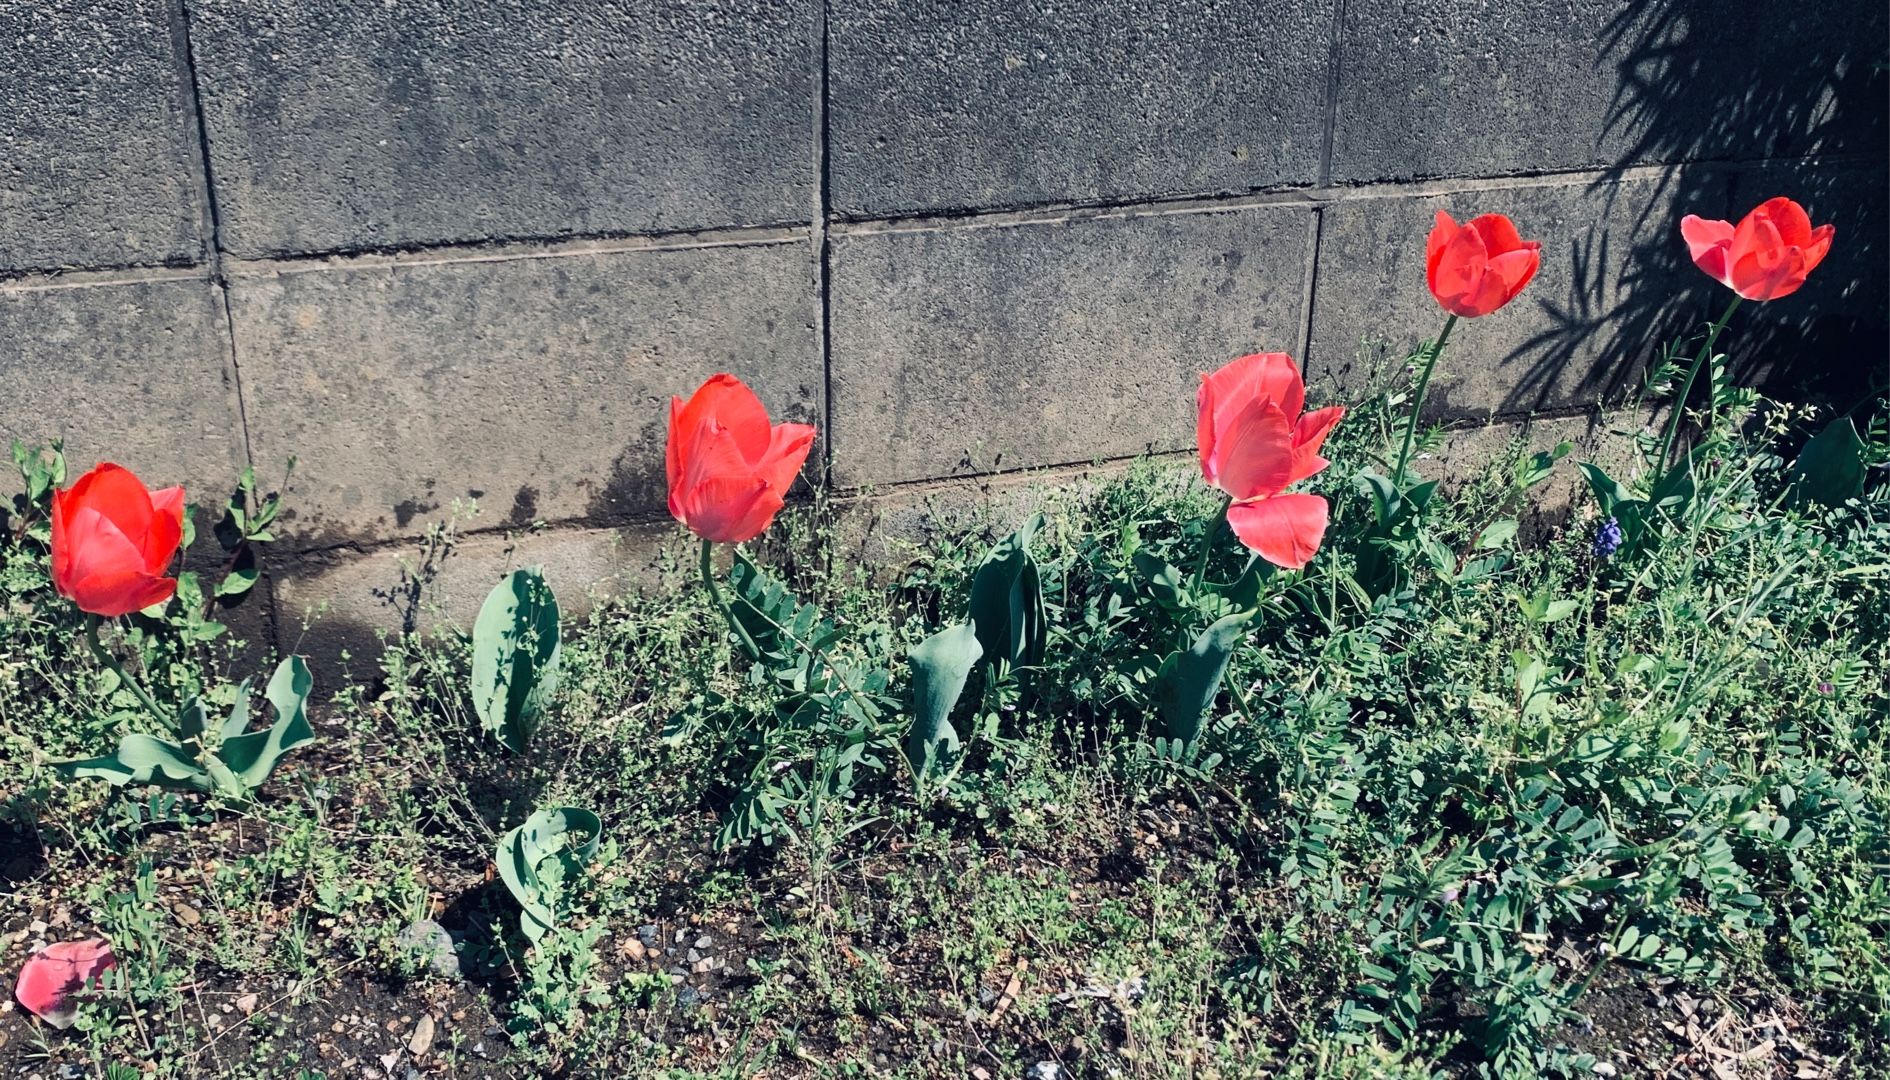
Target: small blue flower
(1607,538)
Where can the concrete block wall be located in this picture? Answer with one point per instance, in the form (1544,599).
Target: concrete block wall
(462,251)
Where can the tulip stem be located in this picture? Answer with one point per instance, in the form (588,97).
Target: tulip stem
(721,603)
(124,677)
(1207,542)
(1686,388)
(1417,402)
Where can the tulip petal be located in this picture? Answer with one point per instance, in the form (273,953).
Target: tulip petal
(1442,232)
(1308,436)
(49,978)
(1457,278)
(722,497)
(1225,393)
(1514,269)
(1259,376)
(1204,434)
(729,402)
(1708,242)
(1762,265)
(675,451)
(1255,452)
(115,593)
(167,528)
(62,549)
(731,509)
(1497,232)
(98,545)
(1786,216)
(116,492)
(787,452)
(1818,246)
(1285,530)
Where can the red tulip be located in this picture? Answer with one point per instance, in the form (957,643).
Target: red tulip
(1254,444)
(112,539)
(1479,266)
(1767,256)
(51,975)
(729,468)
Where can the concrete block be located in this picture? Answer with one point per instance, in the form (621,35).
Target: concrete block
(1483,456)
(136,373)
(1615,285)
(366,125)
(1490,87)
(538,387)
(969,350)
(888,530)
(939,105)
(100,145)
(345,603)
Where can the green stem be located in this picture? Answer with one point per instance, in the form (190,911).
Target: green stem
(1686,388)
(1240,699)
(124,677)
(1417,403)
(721,603)
(1207,542)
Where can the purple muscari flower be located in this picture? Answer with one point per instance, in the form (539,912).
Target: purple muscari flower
(1607,538)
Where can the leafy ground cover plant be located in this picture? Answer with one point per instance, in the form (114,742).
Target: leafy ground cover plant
(1192,774)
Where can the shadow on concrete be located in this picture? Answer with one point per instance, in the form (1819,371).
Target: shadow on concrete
(1747,89)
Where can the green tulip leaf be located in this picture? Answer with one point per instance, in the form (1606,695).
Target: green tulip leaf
(515,657)
(191,719)
(141,759)
(1830,469)
(1007,601)
(1608,493)
(940,666)
(251,756)
(1190,677)
(538,858)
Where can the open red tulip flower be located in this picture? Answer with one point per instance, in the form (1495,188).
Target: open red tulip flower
(1767,255)
(112,539)
(1254,444)
(729,468)
(52,975)
(1479,266)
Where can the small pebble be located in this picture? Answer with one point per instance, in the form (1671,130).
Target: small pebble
(421,1040)
(429,943)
